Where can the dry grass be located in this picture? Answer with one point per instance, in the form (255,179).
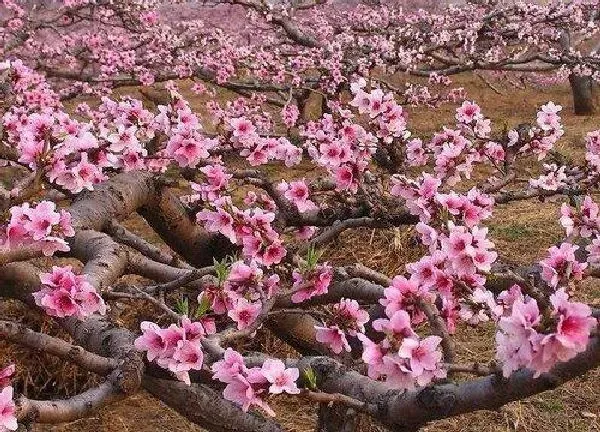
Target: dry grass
(521,231)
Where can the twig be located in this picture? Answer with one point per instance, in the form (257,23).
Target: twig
(123,235)
(361,271)
(438,326)
(489,84)
(338,398)
(181,281)
(473,368)
(337,228)
(61,411)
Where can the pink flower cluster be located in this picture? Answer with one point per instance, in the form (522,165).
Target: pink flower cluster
(541,139)
(55,142)
(289,115)
(177,348)
(41,226)
(8,409)
(186,145)
(243,281)
(529,339)
(456,151)
(251,386)
(402,358)
(454,270)
(64,294)
(217,180)
(468,250)
(592,146)
(454,154)
(297,193)
(260,150)
(347,317)
(554,178)
(423,199)
(386,116)
(583,221)
(311,282)
(342,147)
(31,90)
(250,228)
(562,265)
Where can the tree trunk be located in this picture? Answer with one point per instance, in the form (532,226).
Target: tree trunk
(583,95)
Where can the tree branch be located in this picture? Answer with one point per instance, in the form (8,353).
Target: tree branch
(20,334)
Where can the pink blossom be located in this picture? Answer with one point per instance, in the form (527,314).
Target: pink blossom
(575,321)
(151,340)
(423,355)
(562,264)
(244,313)
(396,371)
(353,317)
(230,367)
(6,375)
(273,254)
(344,178)
(289,115)
(240,391)
(41,219)
(468,112)
(312,283)
(187,356)
(242,127)
(297,192)
(65,294)
(8,418)
(547,117)
(398,326)
(218,221)
(333,337)
(403,295)
(372,355)
(281,379)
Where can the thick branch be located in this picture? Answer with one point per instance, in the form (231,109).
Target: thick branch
(167,215)
(407,410)
(61,411)
(20,334)
(205,407)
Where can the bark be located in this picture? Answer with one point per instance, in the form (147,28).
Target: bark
(206,407)
(22,253)
(105,260)
(169,218)
(66,410)
(356,288)
(159,272)
(18,333)
(298,331)
(123,235)
(116,198)
(128,192)
(582,88)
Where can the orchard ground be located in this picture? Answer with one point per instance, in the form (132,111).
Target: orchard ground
(521,230)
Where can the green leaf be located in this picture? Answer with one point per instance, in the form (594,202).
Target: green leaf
(222,268)
(203,307)
(312,257)
(183,306)
(310,377)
